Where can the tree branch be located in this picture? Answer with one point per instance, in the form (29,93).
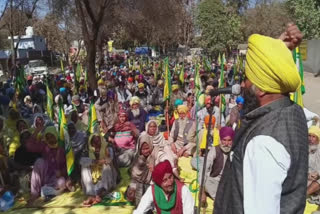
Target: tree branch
(83,21)
(89,11)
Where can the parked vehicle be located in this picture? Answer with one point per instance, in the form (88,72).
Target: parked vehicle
(36,67)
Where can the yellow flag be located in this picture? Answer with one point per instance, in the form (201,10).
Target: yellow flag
(64,141)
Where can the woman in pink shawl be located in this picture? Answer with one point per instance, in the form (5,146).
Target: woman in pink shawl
(49,173)
(125,138)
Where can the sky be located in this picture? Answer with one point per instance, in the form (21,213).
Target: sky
(2,4)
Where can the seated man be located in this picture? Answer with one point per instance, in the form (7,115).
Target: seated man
(137,115)
(314,164)
(182,135)
(166,194)
(217,157)
(98,174)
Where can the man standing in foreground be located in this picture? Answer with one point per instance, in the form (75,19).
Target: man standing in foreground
(167,194)
(268,168)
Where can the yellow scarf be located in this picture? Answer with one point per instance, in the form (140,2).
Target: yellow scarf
(96,169)
(215,134)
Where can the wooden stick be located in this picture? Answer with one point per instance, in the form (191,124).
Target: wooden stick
(220,111)
(167,118)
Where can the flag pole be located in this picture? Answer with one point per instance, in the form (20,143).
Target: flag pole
(220,111)
(167,117)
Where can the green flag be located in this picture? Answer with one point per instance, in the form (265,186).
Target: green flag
(167,84)
(49,103)
(297,96)
(64,141)
(93,126)
(181,75)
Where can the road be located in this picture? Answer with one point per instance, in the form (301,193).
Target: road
(311,98)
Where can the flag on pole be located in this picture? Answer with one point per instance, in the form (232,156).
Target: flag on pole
(86,79)
(181,75)
(64,140)
(297,96)
(222,61)
(78,72)
(93,126)
(197,83)
(61,64)
(155,72)
(219,59)
(206,65)
(20,82)
(49,103)
(167,84)
(221,83)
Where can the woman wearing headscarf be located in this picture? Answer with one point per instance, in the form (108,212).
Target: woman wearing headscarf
(152,131)
(126,135)
(40,122)
(142,167)
(14,144)
(97,171)
(49,172)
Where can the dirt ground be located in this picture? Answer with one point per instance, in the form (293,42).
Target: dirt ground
(311,98)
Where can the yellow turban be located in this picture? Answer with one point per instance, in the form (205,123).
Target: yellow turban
(182,109)
(140,85)
(315,130)
(175,87)
(270,66)
(100,82)
(134,100)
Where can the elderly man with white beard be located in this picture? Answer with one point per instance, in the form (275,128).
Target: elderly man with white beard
(314,164)
(137,115)
(183,133)
(217,157)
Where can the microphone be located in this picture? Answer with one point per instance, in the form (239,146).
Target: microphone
(235,89)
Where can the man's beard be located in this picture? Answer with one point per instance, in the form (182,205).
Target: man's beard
(225,149)
(30,105)
(313,148)
(251,101)
(135,112)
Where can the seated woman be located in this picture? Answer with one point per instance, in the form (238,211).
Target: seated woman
(39,122)
(141,170)
(97,171)
(21,126)
(152,131)
(22,157)
(126,133)
(164,151)
(49,172)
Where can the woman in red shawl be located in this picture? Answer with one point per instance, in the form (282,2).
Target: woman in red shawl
(125,138)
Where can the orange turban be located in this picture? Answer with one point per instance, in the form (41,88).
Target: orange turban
(206,120)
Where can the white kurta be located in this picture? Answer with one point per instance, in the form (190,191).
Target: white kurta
(265,166)
(146,202)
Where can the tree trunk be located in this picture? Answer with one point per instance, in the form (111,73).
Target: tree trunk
(91,61)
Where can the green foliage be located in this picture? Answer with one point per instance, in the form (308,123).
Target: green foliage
(307,16)
(220,26)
